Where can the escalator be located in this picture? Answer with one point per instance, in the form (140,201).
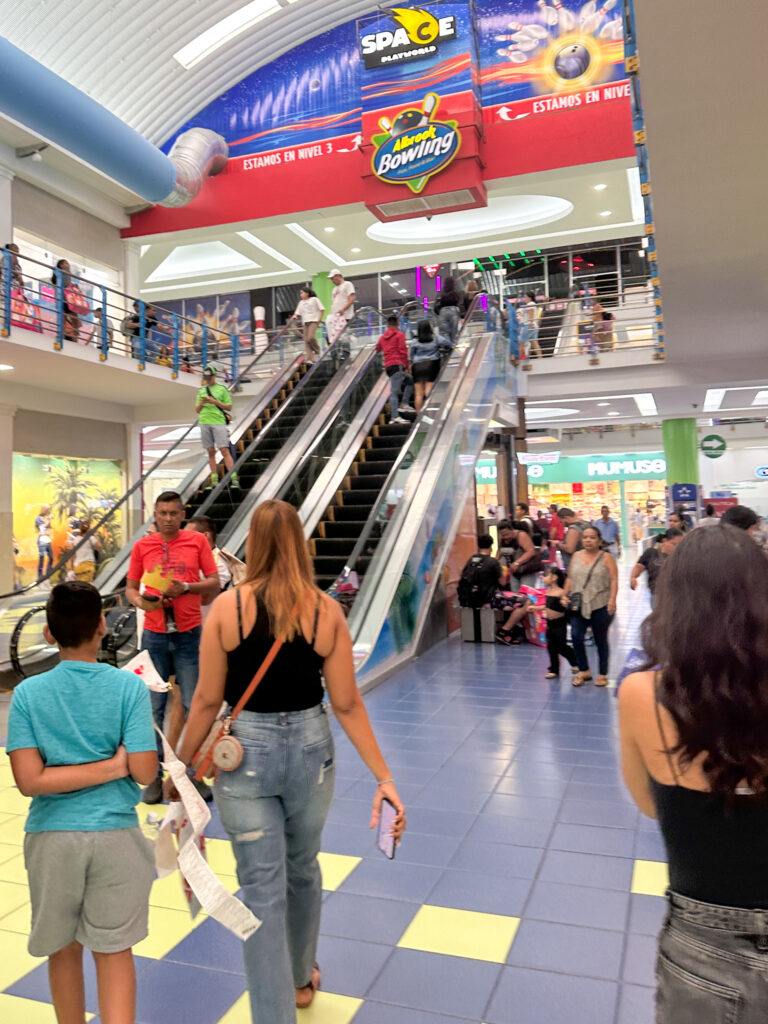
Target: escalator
(335,536)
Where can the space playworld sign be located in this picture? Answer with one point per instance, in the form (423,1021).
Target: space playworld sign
(532,86)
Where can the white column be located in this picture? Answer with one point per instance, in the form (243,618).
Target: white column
(134,515)
(7,412)
(6,205)
(132,278)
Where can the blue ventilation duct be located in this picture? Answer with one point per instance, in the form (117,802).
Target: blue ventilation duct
(50,107)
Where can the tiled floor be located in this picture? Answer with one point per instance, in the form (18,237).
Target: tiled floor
(526,891)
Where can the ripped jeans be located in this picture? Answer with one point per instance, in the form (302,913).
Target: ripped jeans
(274,807)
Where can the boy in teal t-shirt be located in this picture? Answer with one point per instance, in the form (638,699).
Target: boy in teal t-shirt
(80,738)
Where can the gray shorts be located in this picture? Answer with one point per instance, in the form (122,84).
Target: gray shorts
(214,435)
(89,887)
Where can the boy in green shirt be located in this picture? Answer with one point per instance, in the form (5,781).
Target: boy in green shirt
(214,404)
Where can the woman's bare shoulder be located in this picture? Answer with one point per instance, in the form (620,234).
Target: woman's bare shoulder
(638,689)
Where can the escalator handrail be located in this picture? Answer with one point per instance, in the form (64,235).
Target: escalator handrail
(373,518)
(67,555)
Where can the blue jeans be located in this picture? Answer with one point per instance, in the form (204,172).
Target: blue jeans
(274,806)
(400,379)
(448,325)
(600,622)
(711,964)
(173,654)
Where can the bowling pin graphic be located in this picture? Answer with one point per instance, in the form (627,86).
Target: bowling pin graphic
(612,29)
(521,41)
(260,336)
(548,13)
(534,31)
(587,10)
(516,56)
(592,23)
(565,19)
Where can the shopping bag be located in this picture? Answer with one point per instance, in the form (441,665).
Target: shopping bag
(535,624)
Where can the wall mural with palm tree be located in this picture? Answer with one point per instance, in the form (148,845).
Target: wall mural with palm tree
(52,496)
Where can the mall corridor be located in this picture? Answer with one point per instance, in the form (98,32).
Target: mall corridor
(526,890)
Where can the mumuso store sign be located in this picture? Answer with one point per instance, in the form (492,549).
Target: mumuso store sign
(414,35)
(583,468)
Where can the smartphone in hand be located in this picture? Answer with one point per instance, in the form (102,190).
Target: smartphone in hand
(386,841)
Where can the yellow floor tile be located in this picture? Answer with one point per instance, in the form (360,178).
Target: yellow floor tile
(220,856)
(12,829)
(461,933)
(327,1008)
(7,851)
(6,776)
(15,1010)
(13,870)
(650,878)
(12,895)
(4,759)
(167,928)
(13,802)
(15,961)
(18,921)
(336,868)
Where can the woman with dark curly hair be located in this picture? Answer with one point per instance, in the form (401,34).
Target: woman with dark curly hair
(694,734)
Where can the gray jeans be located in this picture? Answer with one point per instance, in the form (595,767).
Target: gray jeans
(274,807)
(712,965)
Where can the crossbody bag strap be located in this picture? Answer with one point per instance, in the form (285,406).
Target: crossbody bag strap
(256,679)
(591,570)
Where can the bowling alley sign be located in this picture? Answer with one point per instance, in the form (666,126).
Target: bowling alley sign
(414,146)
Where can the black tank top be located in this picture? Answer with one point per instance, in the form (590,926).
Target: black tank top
(291,683)
(717,848)
(554,604)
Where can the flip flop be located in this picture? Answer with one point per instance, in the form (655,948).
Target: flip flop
(306,993)
(601,681)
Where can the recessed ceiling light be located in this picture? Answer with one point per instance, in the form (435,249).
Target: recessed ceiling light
(223,31)
(4,367)
(606,213)
(713,399)
(329,230)
(355,250)
(646,404)
(603,403)
(385,277)
(599,188)
(395,284)
(614,413)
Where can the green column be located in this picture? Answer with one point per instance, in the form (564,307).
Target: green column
(323,288)
(681,450)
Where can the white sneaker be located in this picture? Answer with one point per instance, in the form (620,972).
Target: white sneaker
(399,419)
(406,408)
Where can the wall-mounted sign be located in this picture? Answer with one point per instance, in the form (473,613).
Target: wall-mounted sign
(626,467)
(712,446)
(538,458)
(535,472)
(413,147)
(432,269)
(761,472)
(581,469)
(405,34)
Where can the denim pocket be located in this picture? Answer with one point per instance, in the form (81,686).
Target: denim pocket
(255,776)
(319,763)
(686,998)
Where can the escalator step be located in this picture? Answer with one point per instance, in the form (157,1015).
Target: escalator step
(369,469)
(360,497)
(382,455)
(350,528)
(366,483)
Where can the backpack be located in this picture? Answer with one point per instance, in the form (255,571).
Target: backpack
(468,591)
(535,533)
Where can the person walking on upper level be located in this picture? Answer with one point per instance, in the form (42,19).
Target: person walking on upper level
(310,312)
(694,750)
(342,307)
(528,315)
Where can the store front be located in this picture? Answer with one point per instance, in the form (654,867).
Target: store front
(631,485)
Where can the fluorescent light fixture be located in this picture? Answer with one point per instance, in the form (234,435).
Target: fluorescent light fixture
(541,440)
(469,265)
(385,277)
(635,195)
(646,404)
(599,188)
(761,398)
(226,29)
(5,367)
(713,399)
(603,403)
(606,213)
(355,250)
(501,272)
(613,412)
(394,284)
(285,260)
(330,230)
(308,237)
(644,242)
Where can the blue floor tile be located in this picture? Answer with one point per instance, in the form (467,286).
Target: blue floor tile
(534,808)
(35,984)
(649,846)
(591,812)
(613,842)
(646,914)
(367,918)
(515,785)
(349,967)
(518,831)
(587,869)
(439,984)
(432,850)
(636,1005)
(170,991)
(383,1013)
(640,960)
(212,946)
(390,879)
(575,904)
(431,822)
(351,840)
(540,997)
(466,890)
(582,952)
(497,859)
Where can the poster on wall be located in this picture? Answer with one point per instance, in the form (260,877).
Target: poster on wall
(52,497)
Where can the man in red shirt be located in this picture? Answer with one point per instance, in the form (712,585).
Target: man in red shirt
(392,344)
(177,570)
(556,527)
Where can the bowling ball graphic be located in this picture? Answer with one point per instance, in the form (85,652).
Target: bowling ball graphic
(314,85)
(408,119)
(572,61)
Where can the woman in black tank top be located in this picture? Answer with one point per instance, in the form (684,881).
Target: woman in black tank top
(695,755)
(274,804)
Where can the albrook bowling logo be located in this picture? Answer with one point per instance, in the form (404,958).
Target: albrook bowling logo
(414,147)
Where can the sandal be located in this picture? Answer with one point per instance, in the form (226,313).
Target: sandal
(306,993)
(552,675)
(581,678)
(601,681)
